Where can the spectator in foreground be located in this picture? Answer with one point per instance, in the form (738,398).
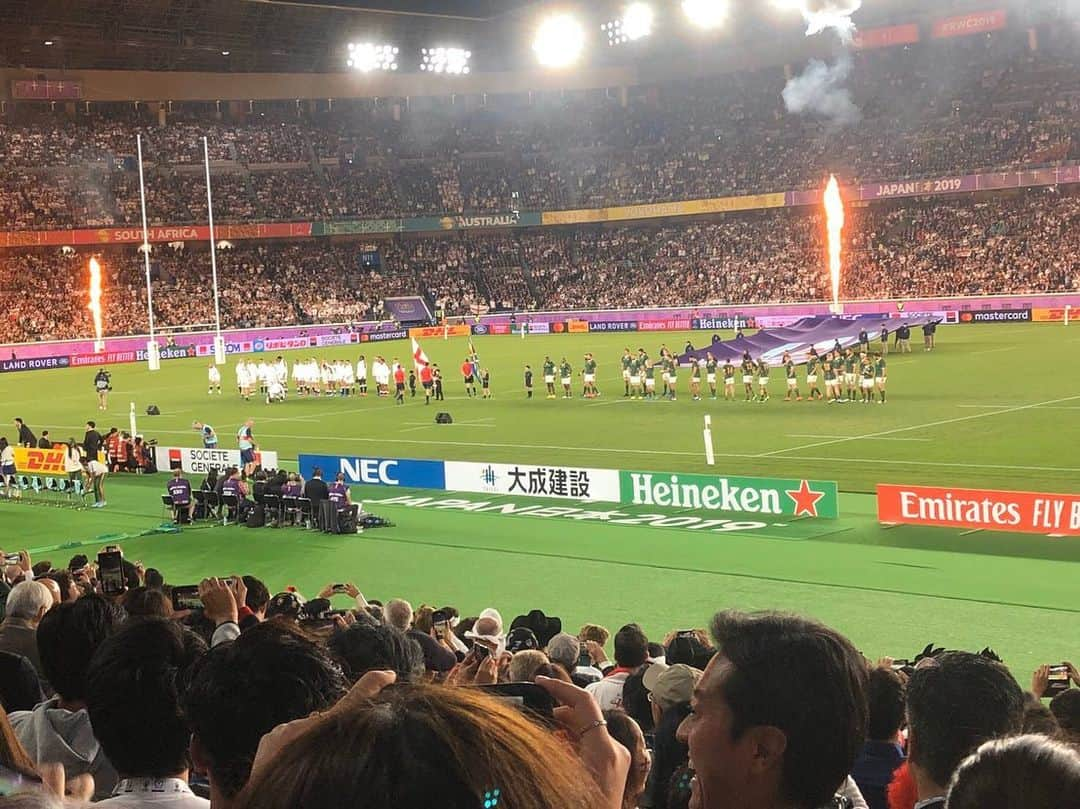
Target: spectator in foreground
(400,746)
(1024,772)
(627,732)
(631,652)
(954,704)
(134,687)
(27,604)
(1066,709)
(882,753)
(778,716)
(59,730)
(242,690)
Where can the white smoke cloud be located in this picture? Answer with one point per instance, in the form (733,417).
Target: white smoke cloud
(821,15)
(819,91)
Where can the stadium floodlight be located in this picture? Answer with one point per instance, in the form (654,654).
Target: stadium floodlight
(452,61)
(366,57)
(559,41)
(636,23)
(707,14)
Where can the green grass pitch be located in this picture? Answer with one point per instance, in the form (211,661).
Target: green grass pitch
(992,406)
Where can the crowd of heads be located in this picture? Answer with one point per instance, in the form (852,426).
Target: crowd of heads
(927,110)
(996,245)
(256,700)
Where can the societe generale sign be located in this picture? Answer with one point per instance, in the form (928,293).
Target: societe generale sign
(1022,512)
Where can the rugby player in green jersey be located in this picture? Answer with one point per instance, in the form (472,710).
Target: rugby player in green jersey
(763,379)
(710,374)
(866,371)
(851,375)
(588,376)
(812,363)
(729,381)
(880,375)
(673,376)
(635,378)
(832,389)
(792,379)
(566,375)
(626,359)
(748,370)
(695,380)
(838,375)
(549,377)
(650,380)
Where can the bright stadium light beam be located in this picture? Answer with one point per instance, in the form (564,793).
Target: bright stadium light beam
(706,14)
(834,223)
(559,41)
(95,303)
(367,57)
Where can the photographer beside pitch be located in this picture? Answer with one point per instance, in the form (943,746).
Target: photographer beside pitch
(102,385)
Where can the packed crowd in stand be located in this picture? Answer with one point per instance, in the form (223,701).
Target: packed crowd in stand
(119,684)
(1000,244)
(927,111)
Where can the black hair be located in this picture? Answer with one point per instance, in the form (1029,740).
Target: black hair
(1066,709)
(956,704)
(134,686)
(242,690)
(258,596)
(885,696)
(366,646)
(1032,772)
(806,680)
(153,578)
(631,647)
(669,754)
(67,638)
(144,602)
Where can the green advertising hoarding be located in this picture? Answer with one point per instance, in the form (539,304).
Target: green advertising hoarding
(767,496)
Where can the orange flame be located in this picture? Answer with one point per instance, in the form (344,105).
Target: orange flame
(834,222)
(95,296)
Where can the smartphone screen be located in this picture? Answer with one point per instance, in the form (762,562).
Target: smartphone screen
(1058,681)
(584,659)
(111,572)
(12,558)
(481,651)
(339,588)
(526,697)
(186,597)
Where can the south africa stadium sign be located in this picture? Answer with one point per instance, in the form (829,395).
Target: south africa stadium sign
(767,496)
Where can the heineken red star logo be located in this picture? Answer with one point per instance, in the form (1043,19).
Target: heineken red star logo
(805,499)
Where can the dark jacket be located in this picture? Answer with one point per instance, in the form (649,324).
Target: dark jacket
(873,771)
(18,637)
(316,490)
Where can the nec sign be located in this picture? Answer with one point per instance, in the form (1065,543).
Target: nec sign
(363,471)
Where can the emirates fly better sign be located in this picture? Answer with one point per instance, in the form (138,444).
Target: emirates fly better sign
(767,496)
(1024,512)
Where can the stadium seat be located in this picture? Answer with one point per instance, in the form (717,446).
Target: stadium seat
(167,505)
(272,503)
(230,507)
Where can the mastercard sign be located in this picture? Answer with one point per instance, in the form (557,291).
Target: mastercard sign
(39,461)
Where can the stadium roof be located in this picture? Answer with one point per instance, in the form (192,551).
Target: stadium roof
(469,9)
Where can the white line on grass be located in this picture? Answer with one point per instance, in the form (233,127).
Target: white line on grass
(811,435)
(1015,409)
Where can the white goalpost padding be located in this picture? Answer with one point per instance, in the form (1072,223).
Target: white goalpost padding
(153,358)
(710,456)
(219,341)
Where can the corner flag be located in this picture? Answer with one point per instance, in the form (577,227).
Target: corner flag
(420,359)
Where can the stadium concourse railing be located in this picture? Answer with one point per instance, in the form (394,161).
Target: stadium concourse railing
(1028,308)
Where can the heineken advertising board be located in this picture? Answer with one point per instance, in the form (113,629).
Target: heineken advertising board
(767,496)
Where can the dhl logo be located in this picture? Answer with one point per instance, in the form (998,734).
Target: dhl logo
(39,461)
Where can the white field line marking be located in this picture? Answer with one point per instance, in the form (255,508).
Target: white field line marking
(811,435)
(993,350)
(1015,409)
(674,453)
(1005,407)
